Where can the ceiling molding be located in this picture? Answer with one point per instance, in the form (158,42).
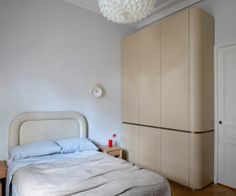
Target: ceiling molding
(166,11)
(91,5)
(164,5)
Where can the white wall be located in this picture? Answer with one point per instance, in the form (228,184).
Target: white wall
(52,53)
(224,12)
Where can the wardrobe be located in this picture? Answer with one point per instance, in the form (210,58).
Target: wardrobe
(168,97)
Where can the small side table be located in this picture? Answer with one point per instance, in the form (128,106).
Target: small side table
(3,176)
(113,151)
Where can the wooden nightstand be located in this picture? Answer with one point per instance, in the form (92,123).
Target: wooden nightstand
(114,151)
(3,176)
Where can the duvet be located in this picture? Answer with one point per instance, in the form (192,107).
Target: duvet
(86,174)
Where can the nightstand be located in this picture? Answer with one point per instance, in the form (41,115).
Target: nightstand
(113,151)
(3,176)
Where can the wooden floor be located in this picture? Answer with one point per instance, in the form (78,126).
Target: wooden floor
(211,190)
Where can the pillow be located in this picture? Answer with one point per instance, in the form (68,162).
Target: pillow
(33,150)
(76,145)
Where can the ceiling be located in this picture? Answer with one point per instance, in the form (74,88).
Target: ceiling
(163,8)
(91,5)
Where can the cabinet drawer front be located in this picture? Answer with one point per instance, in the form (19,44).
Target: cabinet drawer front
(175,156)
(3,174)
(114,153)
(130,142)
(150,148)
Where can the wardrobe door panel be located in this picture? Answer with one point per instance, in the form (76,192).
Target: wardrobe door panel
(201,71)
(175,72)
(130,141)
(175,156)
(150,148)
(130,79)
(149,57)
(201,159)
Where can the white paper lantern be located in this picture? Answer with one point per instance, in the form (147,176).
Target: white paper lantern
(126,11)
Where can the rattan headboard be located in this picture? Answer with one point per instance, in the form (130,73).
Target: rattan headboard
(36,126)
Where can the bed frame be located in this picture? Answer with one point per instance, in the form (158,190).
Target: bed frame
(37,126)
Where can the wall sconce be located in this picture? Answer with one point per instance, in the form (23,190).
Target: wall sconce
(97,91)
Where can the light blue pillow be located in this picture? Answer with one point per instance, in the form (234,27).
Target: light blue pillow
(33,150)
(76,145)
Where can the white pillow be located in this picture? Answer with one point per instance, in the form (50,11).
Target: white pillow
(76,145)
(33,150)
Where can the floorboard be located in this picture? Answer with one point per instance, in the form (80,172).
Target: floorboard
(211,190)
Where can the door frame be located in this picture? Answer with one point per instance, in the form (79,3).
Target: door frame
(216,114)
(217,67)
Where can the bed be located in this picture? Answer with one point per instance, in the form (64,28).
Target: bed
(82,172)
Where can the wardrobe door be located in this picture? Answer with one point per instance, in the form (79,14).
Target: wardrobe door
(150,148)
(201,71)
(201,159)
(130,141)
(149,58)
(175,156)
(130,79)
(175,72)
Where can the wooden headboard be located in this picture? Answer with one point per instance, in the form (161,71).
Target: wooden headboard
(37,126)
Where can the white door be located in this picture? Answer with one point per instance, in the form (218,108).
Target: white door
(227,115)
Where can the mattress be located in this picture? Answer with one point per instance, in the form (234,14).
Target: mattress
(84,174)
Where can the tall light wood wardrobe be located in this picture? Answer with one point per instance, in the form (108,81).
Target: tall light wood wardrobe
(168,98)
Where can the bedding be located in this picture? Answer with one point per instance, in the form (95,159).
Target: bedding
(33,150)
(83,173)
(13,166)
(76,145)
